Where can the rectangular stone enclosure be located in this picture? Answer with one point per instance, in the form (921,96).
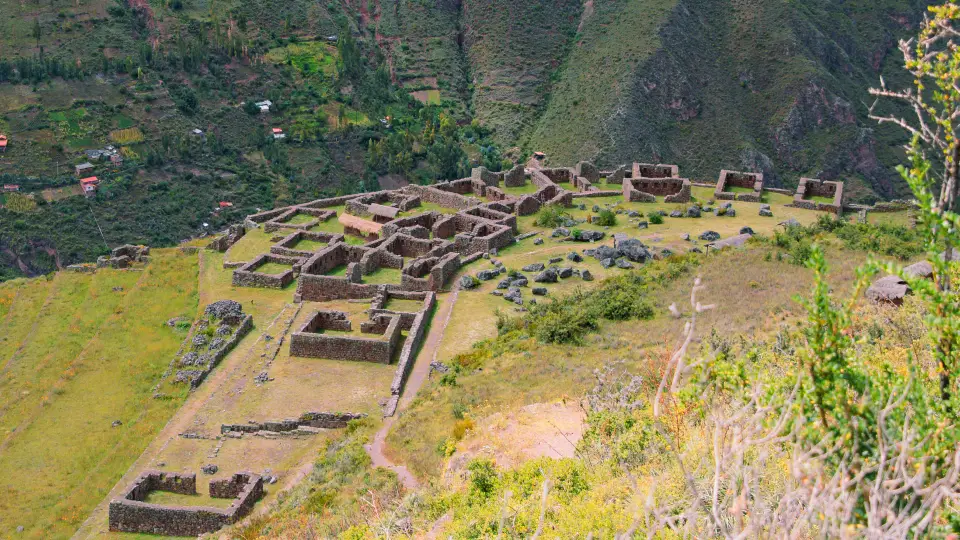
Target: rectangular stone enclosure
(312,342)
(130,513)
(736,179)
(826,189)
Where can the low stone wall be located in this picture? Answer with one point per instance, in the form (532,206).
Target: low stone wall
(515,177)
(598,193)
(306,342)
(430,273)
(323,420)
(649,170)
(314,288)
(247,275)
(196,376)
(443,198)
(287,246)
(811,187)
(233,234)
(752,181)
(412,345)
(282,221)
(130,514)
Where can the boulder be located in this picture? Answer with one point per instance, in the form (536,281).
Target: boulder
(789,223)
(574,256)
(765,212)
(643,225)
(731,212)
(606,263)
(547,276)
(519,282)
(685,236)
(696,250)
(537,241)
(565,272)
(746,230)
(728,205)
(555,260)
(487,275)
(513,295)
(539,291)
(634,250)
(710,236)
(560,231)
(676,214)
(467,282)
(693,212)
(586,275)
(633,213)
(504,283)
(605,252)
(595,208)
(623,263)
(591,236)
(535,267)
(209,469)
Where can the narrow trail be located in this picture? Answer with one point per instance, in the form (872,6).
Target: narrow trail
(421,370)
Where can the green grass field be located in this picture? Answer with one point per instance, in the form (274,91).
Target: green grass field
(80,352)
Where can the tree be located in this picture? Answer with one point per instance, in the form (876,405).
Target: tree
(933,58)
(36,30)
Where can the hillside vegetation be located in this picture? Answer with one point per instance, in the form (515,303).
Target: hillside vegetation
(79,357)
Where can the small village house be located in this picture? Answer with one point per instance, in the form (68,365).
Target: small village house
(3,143)
(278,133)
(264,105)
(225,204)
(84,169)
(89,185)
(10,188)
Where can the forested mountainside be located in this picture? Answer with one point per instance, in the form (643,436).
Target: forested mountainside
(376,92)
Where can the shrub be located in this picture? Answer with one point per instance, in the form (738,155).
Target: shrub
(606,218)
(551,216)
(656,219)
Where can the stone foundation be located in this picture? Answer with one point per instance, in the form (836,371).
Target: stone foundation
(130,513)
(752,181)
(810,187)
(647,189)
(248,276)
(310,342)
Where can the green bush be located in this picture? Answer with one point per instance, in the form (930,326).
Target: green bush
(551,216)
(656,219)
(606,218)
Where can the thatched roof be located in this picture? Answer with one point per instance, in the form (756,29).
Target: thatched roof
(360,224)
(889,289)
(383,210)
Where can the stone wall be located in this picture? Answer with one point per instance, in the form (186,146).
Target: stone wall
(515,177)
(443,198)
(316,288)
(811,187)
(287,246)
(283,220)
(587,170)
(223,242)
(597,193)
(647,170)
(430,273)
(647,189)
(195,376)
(248,276)
(751,181)
(130,514)
(306,342)
(322,420)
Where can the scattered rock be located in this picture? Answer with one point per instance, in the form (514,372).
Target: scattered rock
(560,231)
(574,256)
(539,291)
(504,283)
(710,236)
(555,260)
(467,282)
(731,213)
(606,263)
(174,321)
(519,282)
(565,272)
(664,253)
(790,223)
(513,294)
(535,267)
(696,250)
(729,205)
(547,276)
(497,293)
(116,423)
(118,289)
(685,236)
(224,308)
(261,377)
(634,250)
(765,212)
(538,241)
(586,275)
(623,263)
(199,340)
(591,236)
(210,469)
(693,212)
(676,214)
(595,208)
(643,225)
(604,252)
(439,367)
(746,230)
(487,275)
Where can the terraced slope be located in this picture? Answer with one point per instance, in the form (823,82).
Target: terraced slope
(79,352)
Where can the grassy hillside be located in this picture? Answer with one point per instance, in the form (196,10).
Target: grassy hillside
(78,353)
(778,87)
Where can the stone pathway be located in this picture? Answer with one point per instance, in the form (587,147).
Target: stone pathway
(421,370)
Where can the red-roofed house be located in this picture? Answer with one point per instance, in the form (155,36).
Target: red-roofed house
(11,187)
(89,185)
(3,143)
(278,133)
(225,204)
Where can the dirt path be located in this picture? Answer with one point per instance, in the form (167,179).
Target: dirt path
(181,421)
(421,370)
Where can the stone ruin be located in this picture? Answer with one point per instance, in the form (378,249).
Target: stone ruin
(810,187)
(249,276)
(751,181)
(312,341)
(309,420)
(232,235)
(131,513)
(124,256)
(211,338)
